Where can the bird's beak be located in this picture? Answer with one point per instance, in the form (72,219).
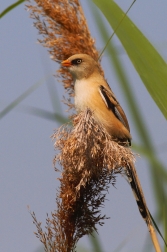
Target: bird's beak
(66,63)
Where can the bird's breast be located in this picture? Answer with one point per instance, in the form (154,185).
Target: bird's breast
(83,94)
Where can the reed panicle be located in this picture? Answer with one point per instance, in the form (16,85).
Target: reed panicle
(64,31)
(88,157)
(90,161)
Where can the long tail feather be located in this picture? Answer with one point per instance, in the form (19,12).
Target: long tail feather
(139,196)
(137,191)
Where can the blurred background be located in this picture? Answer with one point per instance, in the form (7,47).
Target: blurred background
(31,109)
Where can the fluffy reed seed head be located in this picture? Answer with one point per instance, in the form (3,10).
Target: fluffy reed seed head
(90,161)
(64,31)
(87,154)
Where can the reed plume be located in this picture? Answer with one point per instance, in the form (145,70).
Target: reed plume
(88,157)
(64,31)
(90,161)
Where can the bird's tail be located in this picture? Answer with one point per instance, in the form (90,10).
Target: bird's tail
(137,191)
(134,182)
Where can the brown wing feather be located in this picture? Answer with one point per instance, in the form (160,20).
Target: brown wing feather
(112,103)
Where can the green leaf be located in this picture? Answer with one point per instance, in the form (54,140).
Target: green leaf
(19,99)
(96,245)
(10,7)
(147,61)
(45,114)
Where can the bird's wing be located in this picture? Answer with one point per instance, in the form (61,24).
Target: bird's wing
(112,104)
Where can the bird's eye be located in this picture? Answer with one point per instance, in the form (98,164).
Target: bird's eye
(76,61)
(79,61)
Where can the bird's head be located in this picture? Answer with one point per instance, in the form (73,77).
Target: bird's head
(81,65)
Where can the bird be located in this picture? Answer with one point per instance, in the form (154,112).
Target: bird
(93,92)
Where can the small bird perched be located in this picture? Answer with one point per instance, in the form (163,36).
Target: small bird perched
(93,92)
